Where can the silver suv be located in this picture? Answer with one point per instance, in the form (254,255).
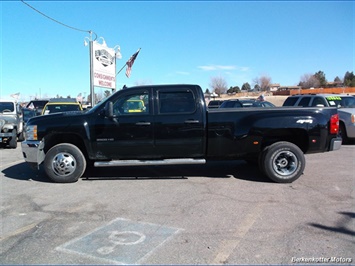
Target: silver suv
(344,103)
(11,124)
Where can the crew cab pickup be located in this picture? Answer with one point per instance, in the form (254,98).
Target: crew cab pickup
(175,127)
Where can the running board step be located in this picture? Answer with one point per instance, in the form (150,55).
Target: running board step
(150,162)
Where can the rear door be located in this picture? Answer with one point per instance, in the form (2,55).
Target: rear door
(179,123)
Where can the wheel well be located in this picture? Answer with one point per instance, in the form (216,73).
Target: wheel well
(296,136)
(342,124)
(54,139)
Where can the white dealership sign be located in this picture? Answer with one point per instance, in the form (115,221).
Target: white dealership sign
(104,66)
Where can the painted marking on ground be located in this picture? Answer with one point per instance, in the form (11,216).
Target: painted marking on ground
(121,241)
(19,231)
(228,245)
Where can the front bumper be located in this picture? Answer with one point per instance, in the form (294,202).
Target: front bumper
(335,144)
(32,151)
(6,135)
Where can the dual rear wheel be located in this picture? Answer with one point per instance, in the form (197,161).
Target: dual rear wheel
(282,162)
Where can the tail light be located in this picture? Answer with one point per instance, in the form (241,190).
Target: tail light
(334,124)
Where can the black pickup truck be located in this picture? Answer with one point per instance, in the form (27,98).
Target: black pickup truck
(170,124)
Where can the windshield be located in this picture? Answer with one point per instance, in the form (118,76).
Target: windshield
(341,101)
(37,104)
(7,107)
(50,109)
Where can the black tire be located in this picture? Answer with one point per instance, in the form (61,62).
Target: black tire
(64,163)
(283,162)
(13,140)
(261,159)
(21,136)
(342,133)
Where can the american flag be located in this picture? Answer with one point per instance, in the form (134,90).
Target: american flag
(130,63)
(15,95)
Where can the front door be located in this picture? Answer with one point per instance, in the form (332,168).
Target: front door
(129,135)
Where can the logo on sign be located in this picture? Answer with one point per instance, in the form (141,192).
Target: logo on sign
(104,57)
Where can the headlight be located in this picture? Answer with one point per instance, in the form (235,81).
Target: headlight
(31,132)
(7,128)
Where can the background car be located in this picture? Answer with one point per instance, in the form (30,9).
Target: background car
(11,123)
(37,105)
(240,103)
(27,113)
(61,105)
(344,103)
(321,100)
(215,103)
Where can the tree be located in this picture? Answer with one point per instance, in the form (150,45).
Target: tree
(207,91)
(246,87)
(264,83)
(219,85)
(107,93)
(234,89)
(321,78)
(337,80)
(257,87)
(309,81)
(349,79)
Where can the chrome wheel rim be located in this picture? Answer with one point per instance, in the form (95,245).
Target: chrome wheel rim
(63,164)
(285,163)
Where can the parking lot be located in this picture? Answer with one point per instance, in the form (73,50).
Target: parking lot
(219,213)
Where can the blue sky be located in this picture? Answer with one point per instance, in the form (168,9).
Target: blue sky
(180,41)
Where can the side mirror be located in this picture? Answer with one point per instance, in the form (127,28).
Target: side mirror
(109,109)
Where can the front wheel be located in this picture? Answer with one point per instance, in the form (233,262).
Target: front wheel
(64,163)
(13,140)
(283,162)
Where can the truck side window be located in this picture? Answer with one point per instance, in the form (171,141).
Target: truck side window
(131,104)
(290,101)
(304,102)
(176,102)
(318,101)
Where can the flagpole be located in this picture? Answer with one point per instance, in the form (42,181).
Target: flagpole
(121,69)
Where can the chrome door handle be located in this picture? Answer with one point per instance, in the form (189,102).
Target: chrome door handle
(143,123)
(192,122)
